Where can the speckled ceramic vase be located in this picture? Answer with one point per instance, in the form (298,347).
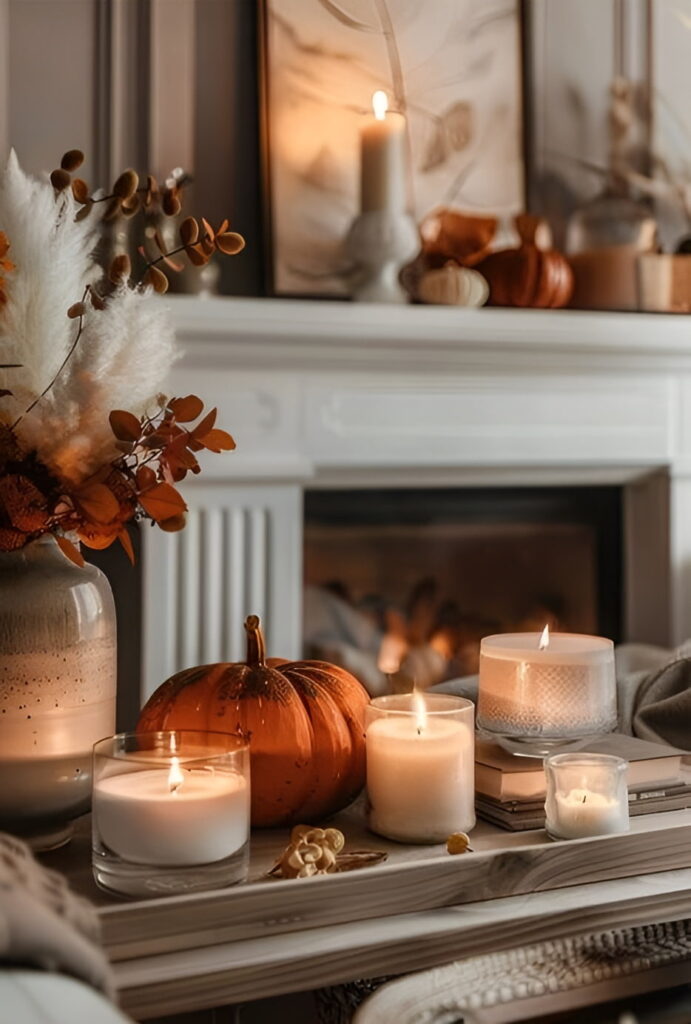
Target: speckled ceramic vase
(57,688)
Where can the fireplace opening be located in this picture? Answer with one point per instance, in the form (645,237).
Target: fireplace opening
(402,584)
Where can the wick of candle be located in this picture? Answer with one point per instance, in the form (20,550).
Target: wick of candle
(585,797)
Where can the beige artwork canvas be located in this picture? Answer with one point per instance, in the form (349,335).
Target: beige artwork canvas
(453,67)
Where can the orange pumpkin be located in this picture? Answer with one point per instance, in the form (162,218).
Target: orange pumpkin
(305,720)
(532,275)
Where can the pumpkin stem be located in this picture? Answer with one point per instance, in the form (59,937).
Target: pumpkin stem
(533,230)
(256,648)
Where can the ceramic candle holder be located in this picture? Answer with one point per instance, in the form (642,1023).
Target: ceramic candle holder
(171,812)
(587,795)
(420,766)
(378,244)
(533,700)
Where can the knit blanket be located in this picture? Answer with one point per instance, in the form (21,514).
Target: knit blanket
(45,925)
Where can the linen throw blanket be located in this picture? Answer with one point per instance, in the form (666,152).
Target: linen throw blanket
(43,924)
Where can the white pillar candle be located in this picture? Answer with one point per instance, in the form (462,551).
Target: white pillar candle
(420,769)
(582,812)
(383,159)
(150,817)
(534,685)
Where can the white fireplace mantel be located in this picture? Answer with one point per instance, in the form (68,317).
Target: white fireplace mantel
(322,394)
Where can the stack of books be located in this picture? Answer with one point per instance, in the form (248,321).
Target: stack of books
(510,791)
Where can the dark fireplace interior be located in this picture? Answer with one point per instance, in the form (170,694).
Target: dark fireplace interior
(402,584)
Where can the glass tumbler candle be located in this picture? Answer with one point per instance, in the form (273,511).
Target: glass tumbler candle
(420,766)
(171,812)
(538,692)
(587,795)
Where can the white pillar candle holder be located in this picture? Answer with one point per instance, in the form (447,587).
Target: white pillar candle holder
(535,698)
(587,795)
(171,812)
(420,766)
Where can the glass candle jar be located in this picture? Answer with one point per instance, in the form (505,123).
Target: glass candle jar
(536,694)
(587,795)
(420,766)
(171,812)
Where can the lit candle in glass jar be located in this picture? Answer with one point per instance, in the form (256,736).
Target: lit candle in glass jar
(587,795)
(420,766)
(539,687)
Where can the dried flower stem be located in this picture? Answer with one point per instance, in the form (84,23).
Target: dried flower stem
(62,366)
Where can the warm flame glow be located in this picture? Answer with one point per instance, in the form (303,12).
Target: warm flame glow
(175,776)
(420,710)
(380,104)
(544,639)
(392,650)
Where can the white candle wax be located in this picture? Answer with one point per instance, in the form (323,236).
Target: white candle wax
(383,160)
(568,688)
(420,780)
(141,819)
(583,812)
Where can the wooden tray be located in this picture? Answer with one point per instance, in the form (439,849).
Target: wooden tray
(413,879)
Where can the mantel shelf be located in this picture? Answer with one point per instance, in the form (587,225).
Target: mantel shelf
(318,334)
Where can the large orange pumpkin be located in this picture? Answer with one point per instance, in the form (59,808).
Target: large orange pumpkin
(305,720)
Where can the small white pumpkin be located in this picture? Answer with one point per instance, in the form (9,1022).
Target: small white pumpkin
(452,285)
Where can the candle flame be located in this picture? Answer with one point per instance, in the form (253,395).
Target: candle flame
(380,104)
(420,711)
(544,639)
(175,776)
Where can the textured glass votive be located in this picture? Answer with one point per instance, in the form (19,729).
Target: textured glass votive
(171,812)
(587,795)
(420,766)
(542,698)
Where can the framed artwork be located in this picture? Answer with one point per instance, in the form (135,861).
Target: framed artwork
(452,67)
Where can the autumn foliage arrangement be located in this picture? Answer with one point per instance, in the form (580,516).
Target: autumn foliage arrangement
(88,443)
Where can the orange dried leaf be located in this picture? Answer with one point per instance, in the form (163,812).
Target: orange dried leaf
(230,243)
(72,159)
(189,231)
(125,425)
(126,542)
(186,409)
(218,441)
(98,502)
(196,255)
(157,280)
(162,502)
(60,179)
(208,230)
(126,185)
(70,550)
(76,310)
(205,425)
(174,523)
(80,190)
(145,478)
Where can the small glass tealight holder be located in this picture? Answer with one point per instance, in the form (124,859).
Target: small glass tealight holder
(420,766)
(587,795)
(171,812)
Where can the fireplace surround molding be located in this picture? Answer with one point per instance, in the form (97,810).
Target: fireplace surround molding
(323,394)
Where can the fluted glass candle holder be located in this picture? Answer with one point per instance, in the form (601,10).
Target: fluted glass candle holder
(532,699)
(171,812)
(420,766)
(587,795)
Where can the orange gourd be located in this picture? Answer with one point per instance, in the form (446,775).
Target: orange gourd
(305,720)
(533,275)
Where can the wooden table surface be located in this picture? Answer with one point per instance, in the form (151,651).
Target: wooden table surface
(421,909)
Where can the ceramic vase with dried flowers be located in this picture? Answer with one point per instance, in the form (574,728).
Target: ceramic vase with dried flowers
(88,444)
